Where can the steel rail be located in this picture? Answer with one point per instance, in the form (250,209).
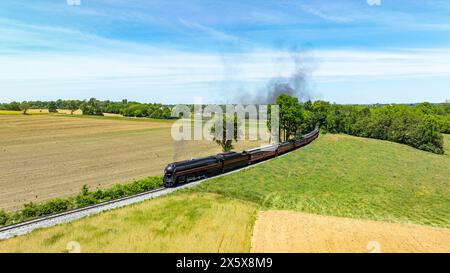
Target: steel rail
(59,214)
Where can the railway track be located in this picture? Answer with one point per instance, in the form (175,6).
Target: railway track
(67,216)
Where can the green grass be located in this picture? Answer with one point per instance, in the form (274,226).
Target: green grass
(446,144)
(175,223)
(7,112)
(351,177)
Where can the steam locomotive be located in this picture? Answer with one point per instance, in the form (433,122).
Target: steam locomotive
(191,170)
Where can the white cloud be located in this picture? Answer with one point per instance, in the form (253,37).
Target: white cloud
(323,14)
(374,2)
(184,68)
(209,30)
(335,64)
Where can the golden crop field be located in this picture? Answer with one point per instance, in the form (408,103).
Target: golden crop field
(37,111)
(49,156)
(172,223)
(65,111)
(284,231)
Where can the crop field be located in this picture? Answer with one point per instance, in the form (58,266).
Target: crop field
(337,175)
(290,231)
(49,156)
(37,111)
(68,112)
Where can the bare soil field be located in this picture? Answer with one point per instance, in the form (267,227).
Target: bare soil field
(49,156)
(287,231)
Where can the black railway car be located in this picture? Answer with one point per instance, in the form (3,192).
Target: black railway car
(261,153)
(299,142)
(232,160)
(191,170)
(285,147)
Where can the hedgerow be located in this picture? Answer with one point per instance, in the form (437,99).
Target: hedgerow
(84,198)
(4,218)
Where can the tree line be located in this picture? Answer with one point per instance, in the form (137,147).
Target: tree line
(418,125)
(95,107)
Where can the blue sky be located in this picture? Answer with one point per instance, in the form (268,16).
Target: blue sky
(350,51)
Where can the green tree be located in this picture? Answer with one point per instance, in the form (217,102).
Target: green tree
(430,139)
(14,106)
(73,106)
(24,106)
(426,108)
(290,115)
(52,108)
(320,110)
(220,136)
(93,107)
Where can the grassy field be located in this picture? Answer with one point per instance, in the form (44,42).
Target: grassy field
(447,144)
(175,223)
(352,177)
(48,156)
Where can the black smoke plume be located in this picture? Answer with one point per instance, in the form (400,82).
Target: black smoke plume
(296,85)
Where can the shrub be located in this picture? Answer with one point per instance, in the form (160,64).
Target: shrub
(5,218)
(84,200)
(29,210)
(54,206)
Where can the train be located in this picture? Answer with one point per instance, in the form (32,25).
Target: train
(187,171)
